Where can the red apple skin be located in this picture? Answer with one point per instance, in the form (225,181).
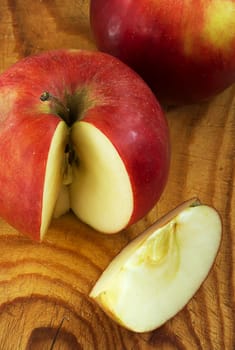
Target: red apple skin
(25,137)
(168,44)
(120,105)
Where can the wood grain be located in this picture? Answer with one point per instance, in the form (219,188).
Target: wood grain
(44,288)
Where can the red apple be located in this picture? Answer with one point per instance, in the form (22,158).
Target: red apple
(79,130)
(185,50)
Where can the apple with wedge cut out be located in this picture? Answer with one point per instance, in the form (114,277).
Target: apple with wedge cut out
(80,130)
(156,274)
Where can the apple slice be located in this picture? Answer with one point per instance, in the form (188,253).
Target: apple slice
(155,275)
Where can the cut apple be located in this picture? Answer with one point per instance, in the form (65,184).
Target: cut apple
(80,131)
(155,276)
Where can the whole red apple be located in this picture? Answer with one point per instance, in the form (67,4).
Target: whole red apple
(79,130)
(185,50)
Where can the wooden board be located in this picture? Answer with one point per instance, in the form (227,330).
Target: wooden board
(44,288)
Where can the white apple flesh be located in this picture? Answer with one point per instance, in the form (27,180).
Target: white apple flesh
(54,176)
(98,189)
(101,172)
(156,275)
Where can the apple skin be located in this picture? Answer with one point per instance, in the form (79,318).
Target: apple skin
(120,105)
(25,137)
(184,50)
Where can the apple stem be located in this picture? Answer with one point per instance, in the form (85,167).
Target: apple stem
(60,108)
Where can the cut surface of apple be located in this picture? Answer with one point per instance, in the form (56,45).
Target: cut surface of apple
(54,175)
(155,276)
(100,193)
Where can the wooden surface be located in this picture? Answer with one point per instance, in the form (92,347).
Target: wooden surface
(44,287)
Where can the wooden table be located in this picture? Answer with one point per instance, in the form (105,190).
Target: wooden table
(44,288)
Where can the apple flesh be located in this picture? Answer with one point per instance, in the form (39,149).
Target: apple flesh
(79,130)
(155,275)
(185,50)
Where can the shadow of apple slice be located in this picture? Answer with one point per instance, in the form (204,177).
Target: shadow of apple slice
(155,275)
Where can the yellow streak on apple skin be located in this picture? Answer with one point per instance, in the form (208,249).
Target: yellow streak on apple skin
(219,26)
(9,96)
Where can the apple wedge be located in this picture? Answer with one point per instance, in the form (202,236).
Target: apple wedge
(155,275)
